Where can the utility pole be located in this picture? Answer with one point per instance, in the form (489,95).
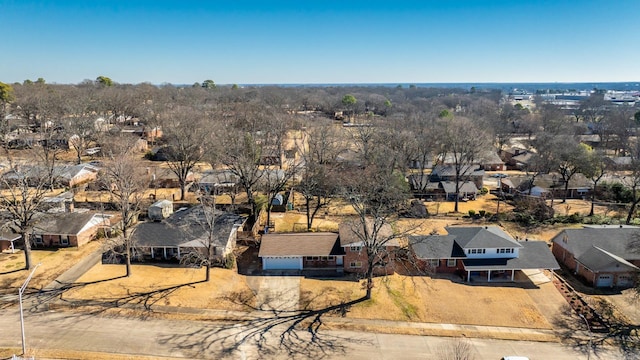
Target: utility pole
(20,292)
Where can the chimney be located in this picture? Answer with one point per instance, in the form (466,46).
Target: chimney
(69,207)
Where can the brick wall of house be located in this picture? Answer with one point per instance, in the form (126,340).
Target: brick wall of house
(360,259)
(563,256)
(5,245)
(586,274)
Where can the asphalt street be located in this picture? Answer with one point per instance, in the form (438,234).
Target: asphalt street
(263,339)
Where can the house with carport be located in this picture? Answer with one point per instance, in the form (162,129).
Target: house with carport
(480,253)
(604,256)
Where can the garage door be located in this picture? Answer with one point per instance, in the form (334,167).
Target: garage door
(281,263)
(604,281)
(625,281)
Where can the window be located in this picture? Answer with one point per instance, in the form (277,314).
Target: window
(316,258)
(434,262)
(64,240)
(324,258)
(355,248)
(502,251)
(331,258)
(308,258)
(355,264)
(38,240)
(451,262)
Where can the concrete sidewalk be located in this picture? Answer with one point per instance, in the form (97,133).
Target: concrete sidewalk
(76,271)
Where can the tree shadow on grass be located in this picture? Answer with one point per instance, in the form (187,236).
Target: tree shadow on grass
(268,332)
(608,331)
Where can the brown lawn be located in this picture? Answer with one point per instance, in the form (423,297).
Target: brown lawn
(54,263)
(425,299)
(169,286)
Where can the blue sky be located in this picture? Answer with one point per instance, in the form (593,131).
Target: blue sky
(280,42)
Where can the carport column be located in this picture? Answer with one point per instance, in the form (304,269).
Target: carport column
(489,276)
(468,276)
(512,272)
(178,252)
(164,252)
(152,253)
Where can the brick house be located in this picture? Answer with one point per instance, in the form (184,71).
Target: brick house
(301,251)
(602,256)
(355,258)
(486,253)
(68,229)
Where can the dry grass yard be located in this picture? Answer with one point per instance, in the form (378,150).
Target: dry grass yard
(54,263)
(166,286)
(430,300)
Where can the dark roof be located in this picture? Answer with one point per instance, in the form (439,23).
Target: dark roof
(598,259)
(63,224)
(436,247)
(616,240)
(300,244)
(482,237)
(532,255)
(186,228)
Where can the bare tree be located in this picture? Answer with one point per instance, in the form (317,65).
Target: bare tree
(595,168)
(462,142)
(126,181)
(572,158)
(206,225)
(80,124)
(26,189)
(318,180)
(186,143)
(376,194)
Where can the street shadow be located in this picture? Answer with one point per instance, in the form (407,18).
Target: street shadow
(604,330)
(268,332)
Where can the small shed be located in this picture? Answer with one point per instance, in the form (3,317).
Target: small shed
(160,210)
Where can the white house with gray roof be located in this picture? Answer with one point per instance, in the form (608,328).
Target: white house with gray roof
(481,252)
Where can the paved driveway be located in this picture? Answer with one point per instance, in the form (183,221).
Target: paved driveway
(279,293)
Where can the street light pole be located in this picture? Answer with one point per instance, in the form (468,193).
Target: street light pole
(590,341)
(20,292)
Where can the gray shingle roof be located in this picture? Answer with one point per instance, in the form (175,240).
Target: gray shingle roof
(450,170)
(598,259)
(482,237)
(300,244)
(614,240)
(347,231)
(186,228)
(466,187)
(63,224)
(436,247)
(532,255)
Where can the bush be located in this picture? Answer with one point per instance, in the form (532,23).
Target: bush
(472,213)
(484,191)
(482,213)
